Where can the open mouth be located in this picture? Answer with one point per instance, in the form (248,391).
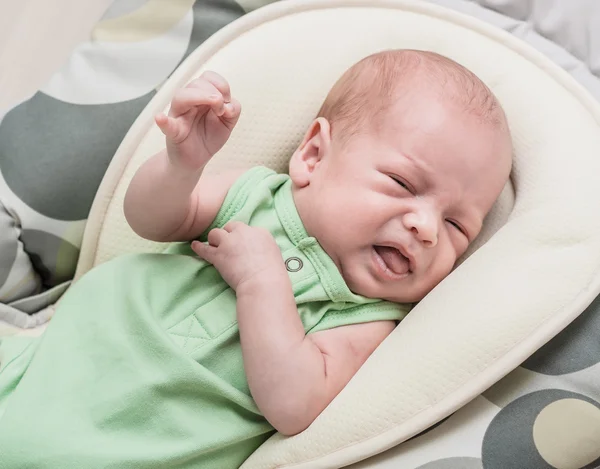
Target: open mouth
(392,261)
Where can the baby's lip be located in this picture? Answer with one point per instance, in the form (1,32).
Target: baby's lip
(404,251)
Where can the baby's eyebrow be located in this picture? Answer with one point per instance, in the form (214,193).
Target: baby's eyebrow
(422,170)
(415,161)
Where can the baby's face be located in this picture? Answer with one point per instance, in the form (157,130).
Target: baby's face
(395,207)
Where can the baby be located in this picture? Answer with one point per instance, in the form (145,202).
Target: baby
(191,359)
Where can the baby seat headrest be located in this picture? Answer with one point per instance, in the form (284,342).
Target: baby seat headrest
(536,273)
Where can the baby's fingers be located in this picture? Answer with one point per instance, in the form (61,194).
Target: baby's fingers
(205,251)
(167,125)
(231,113)
(196,95)
(219,83)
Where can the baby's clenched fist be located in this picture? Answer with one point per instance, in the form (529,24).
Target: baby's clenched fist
(242,254)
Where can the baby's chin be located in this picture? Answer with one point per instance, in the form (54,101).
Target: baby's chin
(400,292)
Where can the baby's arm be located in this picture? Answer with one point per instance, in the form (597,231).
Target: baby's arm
(169,198)
(292,376)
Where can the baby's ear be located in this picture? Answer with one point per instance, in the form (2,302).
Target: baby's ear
(315,146)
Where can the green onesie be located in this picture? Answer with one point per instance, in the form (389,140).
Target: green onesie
(141,367)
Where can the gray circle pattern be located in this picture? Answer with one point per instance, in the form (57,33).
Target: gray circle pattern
(9,243)
(575,348)
(453,463)
(53,154)
(209,17)
(508,441)
(53,258)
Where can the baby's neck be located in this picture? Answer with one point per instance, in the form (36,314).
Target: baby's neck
(305,202)
(300,197)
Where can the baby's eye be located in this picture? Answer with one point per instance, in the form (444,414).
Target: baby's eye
(402,183)
(457,226)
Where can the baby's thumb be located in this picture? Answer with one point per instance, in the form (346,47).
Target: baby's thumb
(204,251)
(166,125)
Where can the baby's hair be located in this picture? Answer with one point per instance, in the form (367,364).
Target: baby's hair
(369,87)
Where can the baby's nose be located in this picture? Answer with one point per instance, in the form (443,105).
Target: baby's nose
(424,226)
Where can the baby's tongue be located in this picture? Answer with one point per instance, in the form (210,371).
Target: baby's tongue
(395,261)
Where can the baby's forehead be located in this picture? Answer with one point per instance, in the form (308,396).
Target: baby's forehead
(440,138)
(368,90)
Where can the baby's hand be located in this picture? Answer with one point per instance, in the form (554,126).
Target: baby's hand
(242,254)
(200,120)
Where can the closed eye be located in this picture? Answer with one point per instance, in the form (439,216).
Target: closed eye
(457,226)
(403,184)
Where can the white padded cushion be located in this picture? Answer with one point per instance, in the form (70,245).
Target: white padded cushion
(534,276)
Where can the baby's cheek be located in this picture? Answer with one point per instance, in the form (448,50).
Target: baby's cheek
(441,268)
(446,266)
(418,291)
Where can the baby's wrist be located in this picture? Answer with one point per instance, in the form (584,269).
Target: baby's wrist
(264,282)
(175,167)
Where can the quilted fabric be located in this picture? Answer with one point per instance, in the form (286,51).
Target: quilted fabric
(431,364)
